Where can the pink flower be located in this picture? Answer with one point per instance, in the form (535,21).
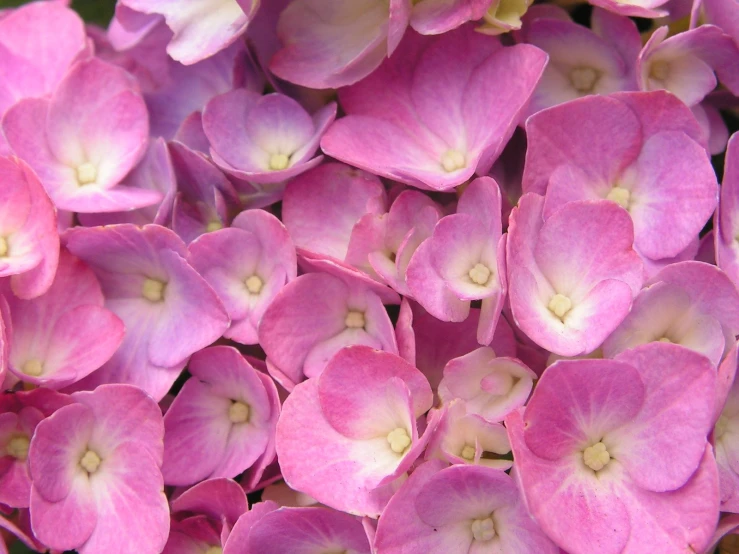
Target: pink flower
(204,515)
(322,206)
(406,124)
(202,27)
(572,277)
(689,63)
(363,433)
(314,317)
(65,334)
(169,310)
(490,386)
(613,454)
(85,139)
(269,530)
(32,66)
(584,61)
(29,242)
(459,509)
(463,261)
(653,163)
(430,344)
(676,307)
(332,43)
(247,265)
(466,438)
(96,480)
(20,413)
(223,420)
(264,139)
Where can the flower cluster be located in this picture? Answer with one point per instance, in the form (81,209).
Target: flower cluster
(370,277)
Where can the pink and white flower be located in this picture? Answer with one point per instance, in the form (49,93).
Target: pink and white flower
(94,464)
(363,434)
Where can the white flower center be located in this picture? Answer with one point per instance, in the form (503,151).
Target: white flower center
(560,305)
(153,290)
(33,367)
(239,412)
(254,284)
(278,162)
(596,457)
(3,247)
(480,274)
(583,79)
(355,320)
(399,440)
(620,196)
(660,70)
(452,160)
(468,452)
(90,462)
(18,447)
(86,174)
(214,226)
(483,529)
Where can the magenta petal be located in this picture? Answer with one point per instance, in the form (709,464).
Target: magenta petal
(676,416)
(55,451)
(562,415)
(304,530)
(560,499)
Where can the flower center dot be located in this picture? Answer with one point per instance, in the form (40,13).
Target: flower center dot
(214,226)
(560,305)
(86,174)
(665,339)
(354,320)
(398,440)
(620,196)
(452,160)
(483,529)
(3,247)
(278,162)
(18,447)
(480,274)
(90,462)
(214,550)
(596,457)
(254,284)
(33,367)
(239,412)
(584,79)
(468,452)
(153,290)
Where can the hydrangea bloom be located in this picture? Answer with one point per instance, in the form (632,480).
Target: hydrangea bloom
(94,464)
(84,139)
(616,444)
(227,409)
(65,334)
(459,509)
(655,166)
(430,133)
(203,28)
(363,435)
(29,242)
(149,285)
(569,290)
